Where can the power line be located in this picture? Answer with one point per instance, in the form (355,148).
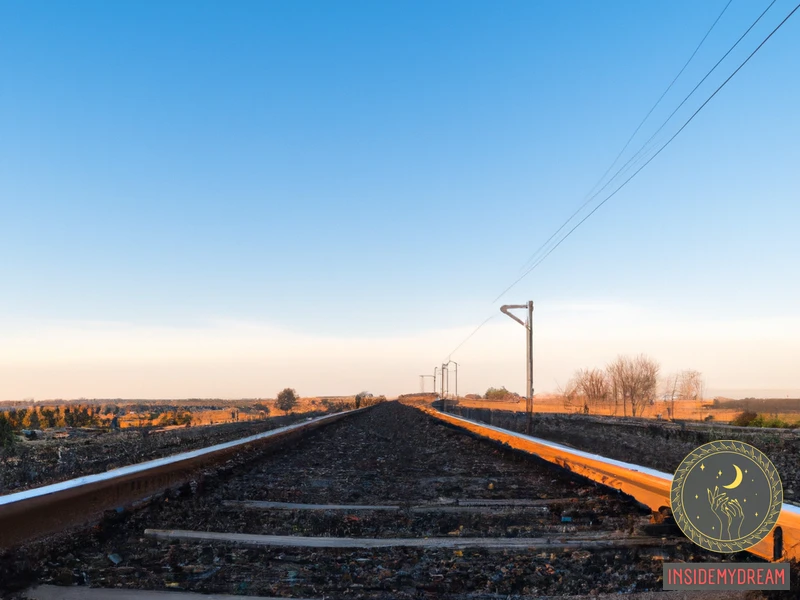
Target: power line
(538,262)
(466,339)
(649,160)
(633,135)
(636,156)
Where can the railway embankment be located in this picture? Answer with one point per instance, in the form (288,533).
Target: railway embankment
(660,445)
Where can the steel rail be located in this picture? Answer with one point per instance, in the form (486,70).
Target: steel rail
(32,513)
(648,486)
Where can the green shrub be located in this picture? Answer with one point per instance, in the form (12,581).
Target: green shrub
(7,437)
(263,407)
(745,419)
(751,419)
(497,394)
(776,423)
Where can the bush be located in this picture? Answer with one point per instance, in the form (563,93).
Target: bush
(774,422)
(751,419)
(262,407)
(7,437)
(497,394)
(744,419)
(287,400)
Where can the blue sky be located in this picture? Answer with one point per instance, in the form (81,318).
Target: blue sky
(375,170)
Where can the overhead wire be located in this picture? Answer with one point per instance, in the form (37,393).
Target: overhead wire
(589,196)
(466,339)
(637,156)
(649,160)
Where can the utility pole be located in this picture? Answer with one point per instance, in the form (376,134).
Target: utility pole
(444,377)
(448,379)
(528,325)
(434,379)
(422,383)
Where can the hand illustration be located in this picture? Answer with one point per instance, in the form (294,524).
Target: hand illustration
(733,509)
(729,513)
(718,502)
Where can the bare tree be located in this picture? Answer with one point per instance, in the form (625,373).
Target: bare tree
(670,387)
(633,381)
(690,387)
(569,394)
(593,384)
(586,388)
(616,376)
(684,386)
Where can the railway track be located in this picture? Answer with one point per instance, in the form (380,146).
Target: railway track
(386,503)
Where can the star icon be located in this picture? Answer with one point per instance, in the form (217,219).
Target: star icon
(756,514)
(720,473)
(702,467)
(696,497)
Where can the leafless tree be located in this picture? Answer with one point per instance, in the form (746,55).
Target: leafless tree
(690,385)
(633,382)
(586,388)
(593,385)
(670,387)
(686,386)
(569,395)
(616,377)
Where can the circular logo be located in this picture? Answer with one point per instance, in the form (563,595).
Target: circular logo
(726,496)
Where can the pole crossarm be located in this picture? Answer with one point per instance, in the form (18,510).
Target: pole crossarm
(505,308)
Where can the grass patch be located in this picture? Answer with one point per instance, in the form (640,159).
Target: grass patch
(751,419)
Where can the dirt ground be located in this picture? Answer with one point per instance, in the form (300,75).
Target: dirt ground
(33,463)
(392,454)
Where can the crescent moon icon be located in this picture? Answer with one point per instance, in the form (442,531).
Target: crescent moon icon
(736,481)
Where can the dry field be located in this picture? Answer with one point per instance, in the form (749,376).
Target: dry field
(233,412)
(690,411)
(165,414)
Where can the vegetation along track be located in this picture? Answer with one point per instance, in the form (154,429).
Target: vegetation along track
(484,521)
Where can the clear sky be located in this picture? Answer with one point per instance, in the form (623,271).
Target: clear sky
(223,199)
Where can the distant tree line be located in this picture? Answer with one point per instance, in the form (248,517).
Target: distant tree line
(629,385)
(47,418)
(91,415)
(776,405)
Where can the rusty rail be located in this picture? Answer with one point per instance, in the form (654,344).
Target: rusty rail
(648,486)
(32,513)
